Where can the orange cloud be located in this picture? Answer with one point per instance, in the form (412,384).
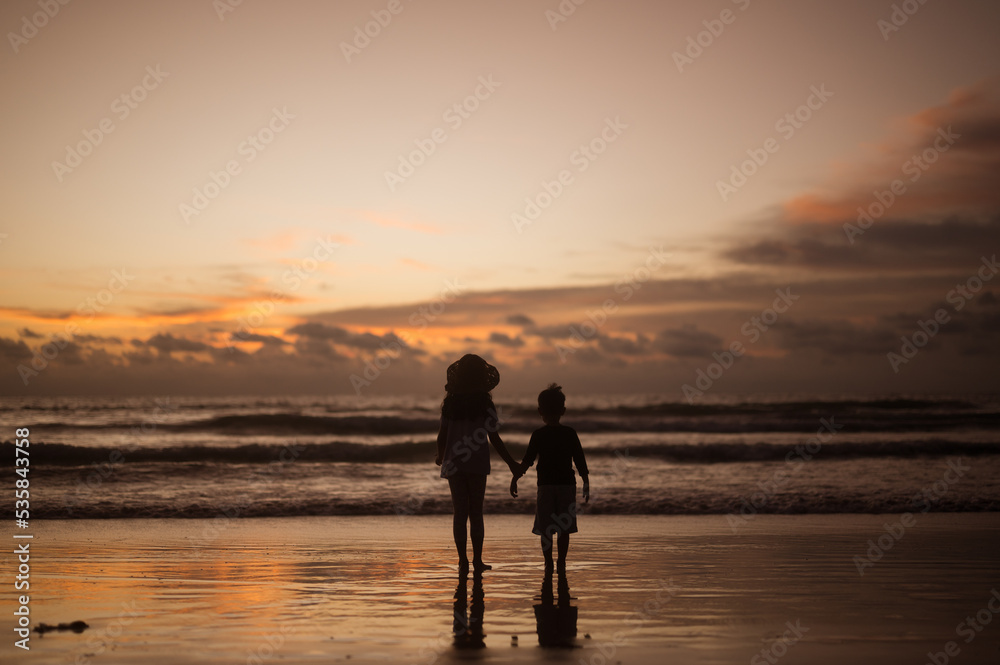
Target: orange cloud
(945,162)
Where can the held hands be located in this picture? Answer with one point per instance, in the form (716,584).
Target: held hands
(515,469)
(439,459)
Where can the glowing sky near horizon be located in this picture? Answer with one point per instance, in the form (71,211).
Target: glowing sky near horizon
(309,128)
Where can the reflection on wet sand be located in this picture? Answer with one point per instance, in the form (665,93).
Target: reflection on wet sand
(555,621)
(555,615)
(468,621)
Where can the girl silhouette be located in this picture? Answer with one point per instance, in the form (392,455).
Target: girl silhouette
(468,420)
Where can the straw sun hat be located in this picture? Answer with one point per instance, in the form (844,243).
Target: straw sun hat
(472,374)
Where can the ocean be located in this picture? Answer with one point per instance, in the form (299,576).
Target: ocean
(185,457)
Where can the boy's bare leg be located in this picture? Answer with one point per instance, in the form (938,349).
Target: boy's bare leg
(547,553)
(563,544)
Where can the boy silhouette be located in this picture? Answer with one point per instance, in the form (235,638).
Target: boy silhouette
(557,448)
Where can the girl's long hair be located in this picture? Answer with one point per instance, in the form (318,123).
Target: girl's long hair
(467,406)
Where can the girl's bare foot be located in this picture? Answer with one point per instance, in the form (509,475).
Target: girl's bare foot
(479,566)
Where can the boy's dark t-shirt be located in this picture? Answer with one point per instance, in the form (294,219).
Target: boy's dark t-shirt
(557,448)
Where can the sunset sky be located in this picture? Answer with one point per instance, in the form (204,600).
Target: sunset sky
(211,197)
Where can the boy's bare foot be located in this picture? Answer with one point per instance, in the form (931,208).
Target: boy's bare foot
(479,566)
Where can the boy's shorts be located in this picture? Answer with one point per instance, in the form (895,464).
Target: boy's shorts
(555,510)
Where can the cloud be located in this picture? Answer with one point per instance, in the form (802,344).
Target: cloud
(100,339)
(837,338)
(167,343)
(364,341)
(687,342)
(13,351)
(889,245)
(503,339)
(625,346)
(28,333)
(313,347)
(946,159)
(944,212)
(70,354)
(267,340)
(520,320)
(551,332)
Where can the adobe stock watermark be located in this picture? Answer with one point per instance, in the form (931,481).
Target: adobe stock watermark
(238,505)
(420,318)
(126,444)
(31,25)
(104,640)
(463,449)
(223,7)
(878,547)
(602,486)
(606,651)
(794,462)
(91,306)
(627,285)
(293,278)
(753,329)
(779,647)
(455,116)
(581,158)
(969,628)
(698,43)
(914,167)
(364,34)
(957,298)
(786,126)
(121,108)
(270,644)
(249,150)
(899,17)
(562,12)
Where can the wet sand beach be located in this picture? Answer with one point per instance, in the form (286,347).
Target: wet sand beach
(687,589)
